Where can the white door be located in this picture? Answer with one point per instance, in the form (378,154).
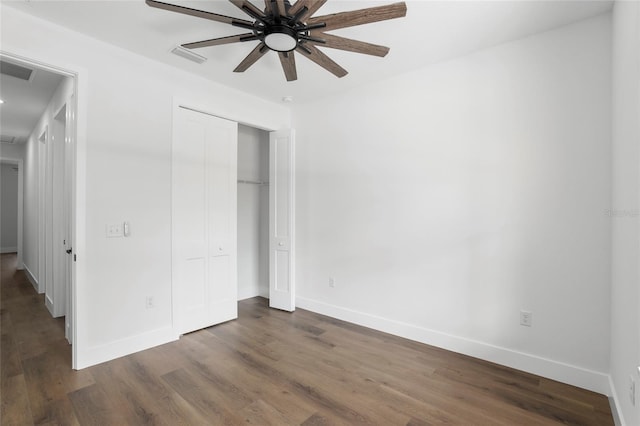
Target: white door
(42,181)
(281,220)
(56,222)
(68,218)
(204,206)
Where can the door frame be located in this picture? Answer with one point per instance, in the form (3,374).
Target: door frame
(77,103)
(220,111)
(20,163)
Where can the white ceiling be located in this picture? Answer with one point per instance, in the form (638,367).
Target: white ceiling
(25,102)
(433,31)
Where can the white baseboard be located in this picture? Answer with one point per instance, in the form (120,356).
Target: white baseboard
(49,304)
(248,294)
(102,353)
(32,279)
(614,403)
(587,379)
(5,250)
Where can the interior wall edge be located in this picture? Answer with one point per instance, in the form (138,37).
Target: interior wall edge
(594,381)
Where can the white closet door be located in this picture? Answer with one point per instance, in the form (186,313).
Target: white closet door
(204,258)
(281,221)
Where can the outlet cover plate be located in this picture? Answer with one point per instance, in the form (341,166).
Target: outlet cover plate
(526,318)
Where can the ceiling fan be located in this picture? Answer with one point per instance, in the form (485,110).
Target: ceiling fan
(285,28)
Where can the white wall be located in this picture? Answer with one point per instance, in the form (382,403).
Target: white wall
(15,152)
(253,211)
(625,320)
(124,147)
(8,208)
(446,200)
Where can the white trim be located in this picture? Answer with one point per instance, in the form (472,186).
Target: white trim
(49,304)
(614,403)
(6,250)
(32,279)
(119,348)
(79,107)
(577,376)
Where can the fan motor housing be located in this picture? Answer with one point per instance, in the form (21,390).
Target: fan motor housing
(280,38)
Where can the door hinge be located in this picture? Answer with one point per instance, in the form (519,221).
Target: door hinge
(74,258)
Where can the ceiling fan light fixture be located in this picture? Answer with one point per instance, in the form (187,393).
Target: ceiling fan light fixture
(281,38)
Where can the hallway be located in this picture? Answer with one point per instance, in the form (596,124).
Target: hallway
(35,366)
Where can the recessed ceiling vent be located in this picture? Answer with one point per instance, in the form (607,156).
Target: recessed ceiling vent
(7,139)
(11,140)
(188,54)
(17,71)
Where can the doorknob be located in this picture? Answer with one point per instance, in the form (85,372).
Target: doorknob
(69,251)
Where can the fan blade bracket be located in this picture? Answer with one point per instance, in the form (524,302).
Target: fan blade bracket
(288,62)
(311,38)
(254,15)
(311,27)
(304,48)
(243,24)
(296,17)
(248,8)
(257,53)
(311,5)
(249,38)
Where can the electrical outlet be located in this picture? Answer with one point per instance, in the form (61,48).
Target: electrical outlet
(332,282)
(149,302)
(632,390)
(526,318)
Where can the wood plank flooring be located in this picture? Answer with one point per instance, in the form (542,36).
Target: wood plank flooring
(266,368)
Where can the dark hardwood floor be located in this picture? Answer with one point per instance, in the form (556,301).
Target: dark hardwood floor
(266,368)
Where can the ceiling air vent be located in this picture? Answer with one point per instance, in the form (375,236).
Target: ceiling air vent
(188,54)
(17,71)
(7,139)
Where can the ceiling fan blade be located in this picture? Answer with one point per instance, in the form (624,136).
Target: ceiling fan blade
(280,7)
(243,5)
(311,5)
(195,12)
(311,52)
(267,6)
(252,57)
(288,61)
(342,43)
(220,40)
(360,17)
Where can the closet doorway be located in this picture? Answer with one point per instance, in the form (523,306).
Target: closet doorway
(253,212)
(266,208)
(206,238)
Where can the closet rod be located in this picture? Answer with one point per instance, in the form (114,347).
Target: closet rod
(253,182)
